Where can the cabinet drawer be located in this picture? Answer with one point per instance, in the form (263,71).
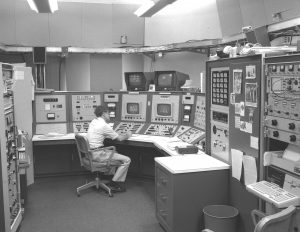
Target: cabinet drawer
(163,215)
(163,180)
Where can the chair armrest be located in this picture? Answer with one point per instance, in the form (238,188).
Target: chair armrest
(256,216)
(109,148)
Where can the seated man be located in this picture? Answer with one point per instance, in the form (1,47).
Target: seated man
(99,129)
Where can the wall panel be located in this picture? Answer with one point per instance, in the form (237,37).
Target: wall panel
(200,22)
(7,22)
(186,62)
(230,17)
(97,25)
(78,72)
(29,30)
(125,22)
(106,72)
(65,25)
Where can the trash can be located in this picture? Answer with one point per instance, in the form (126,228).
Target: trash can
(220,218)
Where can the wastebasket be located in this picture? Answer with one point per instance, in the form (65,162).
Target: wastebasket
(220,218)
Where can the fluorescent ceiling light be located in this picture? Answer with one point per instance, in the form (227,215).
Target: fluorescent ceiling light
(135,2)
(32,5)
(43,6)
(181,7)
(53,5)
(149,9)
(144,8)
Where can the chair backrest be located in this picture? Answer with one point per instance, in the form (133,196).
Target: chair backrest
(278,222)
(84,152)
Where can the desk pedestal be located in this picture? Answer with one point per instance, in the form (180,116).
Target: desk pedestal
(142,157)
(181,197)
(56,159)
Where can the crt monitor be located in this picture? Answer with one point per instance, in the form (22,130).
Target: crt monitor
(138,81)
(133,108)
(135,81)
(164,109)
(169,80)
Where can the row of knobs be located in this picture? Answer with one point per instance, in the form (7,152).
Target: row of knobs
(292,126)
(293,138)
(286,113)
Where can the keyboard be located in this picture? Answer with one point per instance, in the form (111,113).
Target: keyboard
(273,194)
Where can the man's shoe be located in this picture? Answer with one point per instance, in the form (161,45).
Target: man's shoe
(116,186)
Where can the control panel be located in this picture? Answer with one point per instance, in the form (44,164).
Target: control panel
(134,107)
(192,136)
(46,128)
(111,101)
(284,136)
(10,216)
(133,127)
(165,109)
(187,106)
(283,106)
(181,130)
(283,109)
(83,107)
(199,119)
(50,108)
(220,134)
(220,87)
(80,127)
(161,129)
(12,159)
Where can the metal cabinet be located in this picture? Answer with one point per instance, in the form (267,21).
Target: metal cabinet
(180,197)
(10,203)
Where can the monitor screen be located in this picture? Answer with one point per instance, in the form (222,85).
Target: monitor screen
(133,108)
(165,80)
(164,110)
(135,80)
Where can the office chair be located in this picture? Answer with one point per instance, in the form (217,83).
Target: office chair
(278,222)
(85,156)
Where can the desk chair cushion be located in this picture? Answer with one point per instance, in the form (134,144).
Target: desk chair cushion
(101,166)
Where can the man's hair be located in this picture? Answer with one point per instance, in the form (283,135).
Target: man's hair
(99,110)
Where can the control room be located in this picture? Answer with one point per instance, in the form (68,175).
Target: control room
(150,115)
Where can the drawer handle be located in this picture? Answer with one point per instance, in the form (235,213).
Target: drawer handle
(163,181)
(163,213)
(163,197)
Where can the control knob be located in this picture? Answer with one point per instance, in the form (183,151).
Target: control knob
(225,133)
(292,126)
(214,129)
(293,138)
(275,134)
(274,122)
